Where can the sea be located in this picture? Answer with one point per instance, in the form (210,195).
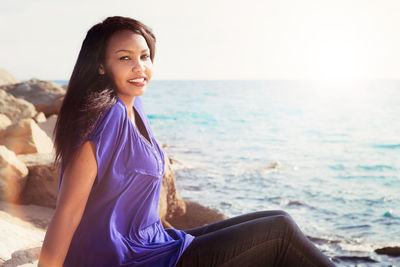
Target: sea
(328,153)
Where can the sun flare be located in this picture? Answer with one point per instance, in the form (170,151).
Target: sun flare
(337,60)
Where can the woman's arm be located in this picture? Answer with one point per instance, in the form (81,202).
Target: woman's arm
(77,182)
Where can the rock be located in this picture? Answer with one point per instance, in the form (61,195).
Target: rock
(274,165)
(39,117)
(175,162)
(354,260)
(13,175)
(4,122)
(48,126)
(15,108)
(36,216)
(23,257)
(6,78)
(46,96)
(33,264)
(26,137)
(22,230)
(171,204)
(391,251)
(42,183)
(196,215)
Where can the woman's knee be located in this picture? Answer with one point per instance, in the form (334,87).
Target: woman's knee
(283,213)
(285,223)
(268,213)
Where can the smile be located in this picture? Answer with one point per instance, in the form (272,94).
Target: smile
(137,80)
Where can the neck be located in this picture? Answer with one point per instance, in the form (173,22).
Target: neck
(128,101)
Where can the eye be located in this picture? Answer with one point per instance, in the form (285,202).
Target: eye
(145,56)
(124,58)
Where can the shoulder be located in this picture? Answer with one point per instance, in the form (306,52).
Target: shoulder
(117,110)
(112,115)
(111,120)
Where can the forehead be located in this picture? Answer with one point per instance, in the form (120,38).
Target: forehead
(126,40)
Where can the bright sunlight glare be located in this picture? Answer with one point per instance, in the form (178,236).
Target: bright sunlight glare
(337,60)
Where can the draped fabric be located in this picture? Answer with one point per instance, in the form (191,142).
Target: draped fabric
(121,225)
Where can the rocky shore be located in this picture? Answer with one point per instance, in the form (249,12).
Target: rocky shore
(29,180)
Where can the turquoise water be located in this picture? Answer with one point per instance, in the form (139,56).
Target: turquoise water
(327,154)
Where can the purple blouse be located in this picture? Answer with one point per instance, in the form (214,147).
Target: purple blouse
(121,225)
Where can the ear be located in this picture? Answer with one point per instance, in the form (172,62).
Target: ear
(101,69)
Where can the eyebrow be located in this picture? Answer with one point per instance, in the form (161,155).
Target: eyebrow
(130,51)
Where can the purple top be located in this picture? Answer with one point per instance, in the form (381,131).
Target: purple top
(121,225)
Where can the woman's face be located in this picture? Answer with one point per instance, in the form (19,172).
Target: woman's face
(128,63)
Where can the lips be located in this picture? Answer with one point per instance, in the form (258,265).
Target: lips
(138,81)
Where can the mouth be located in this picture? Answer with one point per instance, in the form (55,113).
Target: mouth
(139,81)
(142,79)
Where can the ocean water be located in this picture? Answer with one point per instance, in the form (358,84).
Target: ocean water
(327,153)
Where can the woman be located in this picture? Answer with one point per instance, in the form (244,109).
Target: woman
(111,173)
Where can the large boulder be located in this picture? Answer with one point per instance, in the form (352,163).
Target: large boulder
(26,137)
(48,126)
(171,204)
(42,184)
(4,121)
(15,108)
(46,96)
(6,78)
(39,117)
(196,215)
(13,175)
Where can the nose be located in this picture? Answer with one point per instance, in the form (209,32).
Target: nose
(137,65)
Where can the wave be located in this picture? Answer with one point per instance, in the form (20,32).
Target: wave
(388,146)
(361,176)
(376,167)
(337,167)
(390,214)
(161,117)
(299,204)
(351,227)
(353,259)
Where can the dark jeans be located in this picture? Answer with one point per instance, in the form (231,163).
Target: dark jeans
(266,238)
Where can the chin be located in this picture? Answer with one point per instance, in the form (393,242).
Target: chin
(141,92)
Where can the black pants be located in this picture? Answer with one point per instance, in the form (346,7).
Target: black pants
(266,238)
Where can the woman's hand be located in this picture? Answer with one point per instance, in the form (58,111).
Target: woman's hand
(77,182)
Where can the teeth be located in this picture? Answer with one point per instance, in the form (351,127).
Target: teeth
(136,80)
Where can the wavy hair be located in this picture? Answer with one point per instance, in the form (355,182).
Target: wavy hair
(89,94)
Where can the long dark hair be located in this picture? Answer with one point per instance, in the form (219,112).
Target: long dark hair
(89,94)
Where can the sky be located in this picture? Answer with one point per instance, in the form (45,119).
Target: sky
(214,39)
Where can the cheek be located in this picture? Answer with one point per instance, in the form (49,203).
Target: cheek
(115,73)
(149,70)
